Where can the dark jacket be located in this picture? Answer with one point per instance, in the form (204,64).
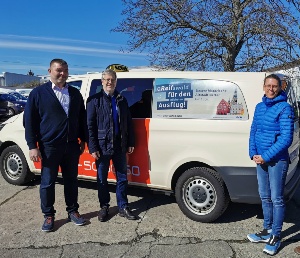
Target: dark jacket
(272,129)
(100,123)
(46,122)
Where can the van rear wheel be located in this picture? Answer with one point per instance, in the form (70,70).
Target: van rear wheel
(201,194)
(14,167)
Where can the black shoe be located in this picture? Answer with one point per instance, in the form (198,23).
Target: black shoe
(127,213)
(103,214)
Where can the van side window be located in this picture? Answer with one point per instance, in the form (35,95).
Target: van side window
(142,108)
(195,98)
(138,93)
(96,86)
(75,84)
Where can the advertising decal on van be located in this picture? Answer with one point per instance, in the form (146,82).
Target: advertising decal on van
(204,99)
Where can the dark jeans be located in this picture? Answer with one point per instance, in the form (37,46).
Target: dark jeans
(120,165)
(67,157)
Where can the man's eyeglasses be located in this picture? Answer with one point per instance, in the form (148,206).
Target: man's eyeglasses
(111,80)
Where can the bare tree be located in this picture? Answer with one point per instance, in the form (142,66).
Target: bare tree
(30,73)
(219,35)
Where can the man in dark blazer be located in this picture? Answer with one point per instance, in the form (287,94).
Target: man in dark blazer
(54,120)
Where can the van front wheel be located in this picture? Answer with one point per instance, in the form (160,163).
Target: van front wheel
(13,166)
(201,194)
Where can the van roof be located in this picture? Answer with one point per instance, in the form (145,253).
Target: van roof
(177,74)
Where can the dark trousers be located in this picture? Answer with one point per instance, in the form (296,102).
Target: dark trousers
(120,166)
(67,157)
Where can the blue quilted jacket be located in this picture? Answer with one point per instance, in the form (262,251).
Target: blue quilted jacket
(272,129)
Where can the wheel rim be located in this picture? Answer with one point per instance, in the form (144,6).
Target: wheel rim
(10,112)
(199,196)
(13,166)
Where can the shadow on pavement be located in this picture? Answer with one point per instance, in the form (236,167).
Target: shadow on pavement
(150,199)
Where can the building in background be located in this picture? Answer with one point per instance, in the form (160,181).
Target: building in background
(8,79)
(293,72)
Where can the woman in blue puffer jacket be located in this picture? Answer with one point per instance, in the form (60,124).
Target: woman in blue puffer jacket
(270,137)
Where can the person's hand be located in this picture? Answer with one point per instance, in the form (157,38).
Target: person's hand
(96,155)
(258,159)
(82,147)
(35,155)
(130,150)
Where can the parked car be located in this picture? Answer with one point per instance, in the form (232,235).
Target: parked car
(6,90)
(13,105)
(24,92)
(18,96)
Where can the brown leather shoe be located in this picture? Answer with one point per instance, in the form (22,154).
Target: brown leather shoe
(297,250)
(48,224)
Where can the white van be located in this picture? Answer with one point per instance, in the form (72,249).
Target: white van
(192,132)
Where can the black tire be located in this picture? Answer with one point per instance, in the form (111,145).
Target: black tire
(201,194)
(14,167)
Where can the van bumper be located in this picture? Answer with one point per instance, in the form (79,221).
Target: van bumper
(242,184)
(292,185)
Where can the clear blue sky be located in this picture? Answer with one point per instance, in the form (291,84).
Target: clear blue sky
(33,32)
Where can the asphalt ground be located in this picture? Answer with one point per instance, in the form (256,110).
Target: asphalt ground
(161,231)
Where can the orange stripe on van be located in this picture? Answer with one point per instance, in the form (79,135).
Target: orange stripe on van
(138,161)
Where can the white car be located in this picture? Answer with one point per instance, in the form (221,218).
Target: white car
(24,92)
(5,90)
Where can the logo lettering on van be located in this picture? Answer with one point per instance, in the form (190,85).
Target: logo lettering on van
(131,170)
